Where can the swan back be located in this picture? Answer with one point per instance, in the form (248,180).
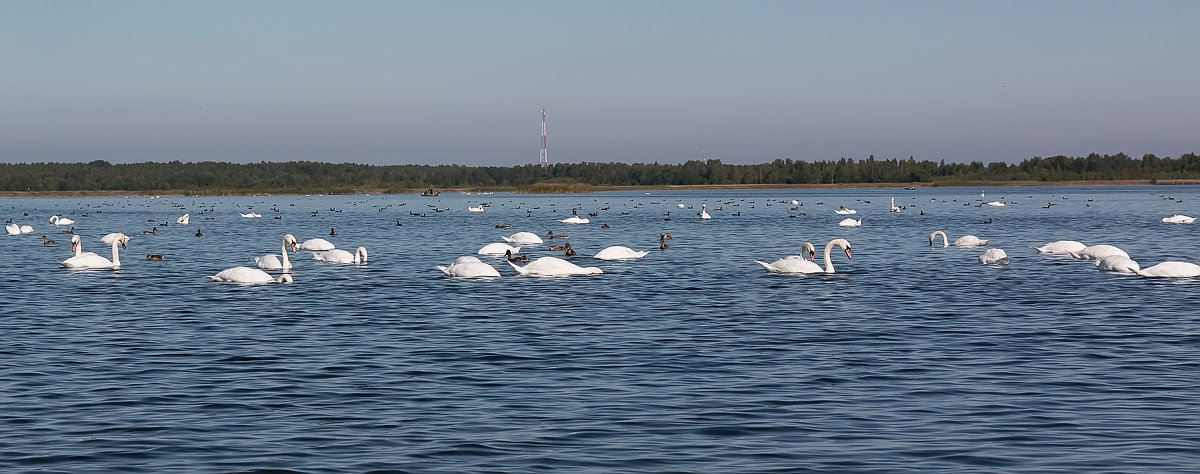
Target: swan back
(969,241)
(110,238)
(618,252)
(1171,270)
(317,244)
(554,266)
(1117,263)
(469,267)
(523,238)
(1096,252)
(1061,247)
(498,249)
(248,275)
(994,257)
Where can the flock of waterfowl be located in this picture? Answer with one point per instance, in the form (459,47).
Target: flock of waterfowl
(1106,257)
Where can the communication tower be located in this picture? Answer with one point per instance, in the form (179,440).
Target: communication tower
(543,159)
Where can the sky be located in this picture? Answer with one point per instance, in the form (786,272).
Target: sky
(463,82)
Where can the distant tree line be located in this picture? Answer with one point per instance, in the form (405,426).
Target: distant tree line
(306,176)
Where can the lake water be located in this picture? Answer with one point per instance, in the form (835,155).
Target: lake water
(908,358)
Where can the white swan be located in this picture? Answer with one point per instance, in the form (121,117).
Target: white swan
(1171,270)
(90,259)
(618,252)
(1061,247)
(994,257)
(704,211)
(554,266)
(933,236)
(114,237)
(1096,252)
(844,211)
(475,209)
(251,215)
(342,256)
(794,263)
(996,204)
(248,275)
(969,241)
(1117,263)
(278,261)
(56,220)
(839,243)
(317,244)
(894,208)
(574,220)
(523,238)
(12,229)
(1179,219)
(26,229)
(498,249)
(964,241)
(183,219)
(848,222)
(469,267)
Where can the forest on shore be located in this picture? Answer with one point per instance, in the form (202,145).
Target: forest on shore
(314,177)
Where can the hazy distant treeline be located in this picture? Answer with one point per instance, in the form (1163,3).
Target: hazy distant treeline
(304,176)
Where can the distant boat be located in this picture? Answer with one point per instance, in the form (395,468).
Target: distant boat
(431,192)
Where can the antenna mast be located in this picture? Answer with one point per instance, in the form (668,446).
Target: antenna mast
(543,159)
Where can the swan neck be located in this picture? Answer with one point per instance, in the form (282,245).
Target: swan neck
(828,260)
(115,259)
(283,250)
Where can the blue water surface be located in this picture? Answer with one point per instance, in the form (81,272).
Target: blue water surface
(909,358)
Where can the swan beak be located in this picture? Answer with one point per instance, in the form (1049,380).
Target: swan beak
(73,245)
(848,253)
(293,245)
(812,256)
(123,244)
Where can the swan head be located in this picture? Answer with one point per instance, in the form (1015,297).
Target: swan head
(812,251)
(844,245)
(933,236)
(74,242)
(122,239)
(290,241)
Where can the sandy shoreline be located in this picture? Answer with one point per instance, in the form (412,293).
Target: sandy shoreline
(902,186)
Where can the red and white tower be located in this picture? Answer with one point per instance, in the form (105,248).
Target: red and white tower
(544,159)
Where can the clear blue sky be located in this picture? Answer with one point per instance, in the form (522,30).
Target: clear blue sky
(458,82)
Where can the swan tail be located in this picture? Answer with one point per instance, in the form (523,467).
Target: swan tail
(765,265)
(445,270)
(520,271)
